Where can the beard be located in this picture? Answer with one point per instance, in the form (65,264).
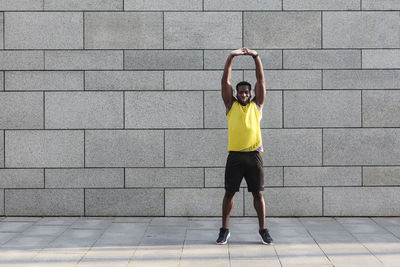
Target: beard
(243,103)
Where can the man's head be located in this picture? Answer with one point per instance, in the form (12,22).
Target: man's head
(243,92)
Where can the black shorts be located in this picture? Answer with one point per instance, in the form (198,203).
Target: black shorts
(244,164)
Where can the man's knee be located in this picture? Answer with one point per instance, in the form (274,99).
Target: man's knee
(258,195)
(229,194)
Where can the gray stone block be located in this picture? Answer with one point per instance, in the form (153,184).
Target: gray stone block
(322,109)
(44,202)
(123,30)
(1,30)
(84,178)
(215,177)
(124,148)
(202,30)
(215,112)
(381,176)
(361,146)
(43,30)
(44,80)
(321,59)
(2,149)
(199,202)
(381,108)
(65,110)
(84,59)
(164,177)
(198,80)
(123,80)
(242,5)
(196,148)
(292,147)
(1,202)
(124,202)
(322,176)
(163,109)
(41,148)
(83,5)
(361,79)
(281,201)
(282,30)
(15,5)
(380,58)
(21,110)
(321,4)
(215,59)
(361,201)
(21,178)
(21,60)
(164,5)
(1,81)
(163,59)
(362,29)
(380,5)
(288,79)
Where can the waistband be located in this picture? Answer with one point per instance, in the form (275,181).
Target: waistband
(244,152)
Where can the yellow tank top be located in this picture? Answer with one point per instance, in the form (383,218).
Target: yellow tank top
(244,128)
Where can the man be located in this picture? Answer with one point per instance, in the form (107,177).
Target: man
(245,143)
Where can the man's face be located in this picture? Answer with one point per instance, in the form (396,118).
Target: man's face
(243,94)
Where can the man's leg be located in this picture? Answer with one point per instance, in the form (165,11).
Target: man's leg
(227,205)
(259,205)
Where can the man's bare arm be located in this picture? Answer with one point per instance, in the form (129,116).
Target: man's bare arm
(260,84)
(226,87)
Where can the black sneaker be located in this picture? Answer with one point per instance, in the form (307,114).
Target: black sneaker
(224,234)
(265,237)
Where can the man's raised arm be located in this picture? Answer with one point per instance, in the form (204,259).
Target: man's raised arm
(260,84)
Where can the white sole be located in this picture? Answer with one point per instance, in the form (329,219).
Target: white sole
(229,234)
(262,240)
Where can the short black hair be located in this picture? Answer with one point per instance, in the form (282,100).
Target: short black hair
(243,83)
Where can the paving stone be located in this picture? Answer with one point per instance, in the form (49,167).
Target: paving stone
(380,5)
(21,110)
(216,59)
(164,177)
(84,60)
(381,176)
(361,146)
(199,202)
(57,221)
(123,80)
(16,5)
(195,80)
(375,29)
(44,148)
(289,79)
(43,80)
(263,30)
(107,256)
(240,5)
(215,177)
(321,59)
(124,148)
(163,59)
(85,178)
(361,201)
(45,230)
(162,110)
(300,201)
(361,79)
(124,202)
(51,30)
(14,227)
(44,202)
(322,109)
(152,5)
(21,178)
(202,30)
(381,58)
(322,176)
(83,5)
(380,108)
(215,111)
(123,30)
(321,5)
(84,110)
(75,240)
(21,60)
(91,224)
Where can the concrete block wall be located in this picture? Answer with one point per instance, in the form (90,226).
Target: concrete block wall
(113,108)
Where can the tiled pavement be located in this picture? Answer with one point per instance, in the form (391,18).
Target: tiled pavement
(176,241)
